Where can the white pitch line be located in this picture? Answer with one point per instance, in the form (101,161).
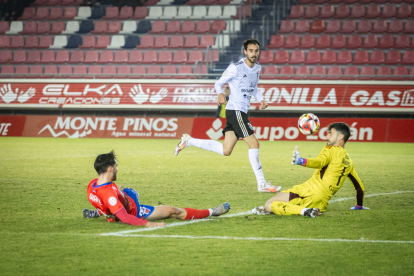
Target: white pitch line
(124,233)
(266,239)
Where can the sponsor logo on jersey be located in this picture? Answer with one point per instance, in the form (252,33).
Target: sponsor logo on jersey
(112,201)
(247,90)
(225,73)
(94,198)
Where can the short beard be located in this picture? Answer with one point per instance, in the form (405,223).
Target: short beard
(251,61)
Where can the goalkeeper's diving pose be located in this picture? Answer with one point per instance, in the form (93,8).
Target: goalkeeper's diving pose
(119,204)
(331,166)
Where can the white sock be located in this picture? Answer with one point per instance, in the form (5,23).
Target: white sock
(257,167)
(209,145)
(303,211)
(211,212)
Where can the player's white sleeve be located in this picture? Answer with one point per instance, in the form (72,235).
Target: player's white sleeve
(257,95)
(230,73)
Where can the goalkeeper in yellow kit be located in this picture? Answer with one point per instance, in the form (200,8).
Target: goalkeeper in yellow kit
(332,166)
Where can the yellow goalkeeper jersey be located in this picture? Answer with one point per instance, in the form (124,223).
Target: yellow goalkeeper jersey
(333,165)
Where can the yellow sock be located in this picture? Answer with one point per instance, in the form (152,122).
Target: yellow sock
(284,208)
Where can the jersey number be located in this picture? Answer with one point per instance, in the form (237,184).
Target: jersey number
(339,179)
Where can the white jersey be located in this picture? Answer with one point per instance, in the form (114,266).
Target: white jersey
(243,84)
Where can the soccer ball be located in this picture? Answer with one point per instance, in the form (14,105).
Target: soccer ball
(308,124)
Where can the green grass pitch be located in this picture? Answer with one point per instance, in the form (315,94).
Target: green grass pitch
(43,191)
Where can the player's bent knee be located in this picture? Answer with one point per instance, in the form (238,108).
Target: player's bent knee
(227,152)
(268,207)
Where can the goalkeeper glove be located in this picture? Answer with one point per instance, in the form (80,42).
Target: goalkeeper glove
(357,207)
(296,159)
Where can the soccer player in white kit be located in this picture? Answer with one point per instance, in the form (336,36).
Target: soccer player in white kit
(242,77)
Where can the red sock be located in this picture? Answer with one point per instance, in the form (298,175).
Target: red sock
(196,214)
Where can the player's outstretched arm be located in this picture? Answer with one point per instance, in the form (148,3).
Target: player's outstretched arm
(263,105)
(357,207)
(296,159)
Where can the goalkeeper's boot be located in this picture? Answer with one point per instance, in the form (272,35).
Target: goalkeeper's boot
(260,211)
(90,213)
(267,187)
(312,212)
(220,210)
(183,143)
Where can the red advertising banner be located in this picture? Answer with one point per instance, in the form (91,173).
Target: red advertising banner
(266,129)
(163,95)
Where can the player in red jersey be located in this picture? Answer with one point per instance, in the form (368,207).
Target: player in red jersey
(123,204)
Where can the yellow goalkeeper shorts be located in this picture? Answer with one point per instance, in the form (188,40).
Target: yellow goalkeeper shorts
(305,197)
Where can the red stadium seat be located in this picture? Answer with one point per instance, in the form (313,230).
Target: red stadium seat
(111,13)
(389,11)
(94,71)
(168,72)
(402,41)
(16,42)
(147,41)
(50,71)
(140,13)
(404,11)
(386,42)
(91,57)
(333,26)
(22,71)
(400,71)
(373,11)
(271,71)
(180,57)
(313,57)
(45,42)
(311,12)
(41,13)
(191,41)
(370,41)
(318,73)
(338,42)
(150,57)
(351,73)
(67,2)
(57,27)
(172,27)
(31,42)
(291,41)
(276,42)
(120,57)
(164,57)
(344,57)
(114,27)
(157,27)
(384,73)
(266,57)
(307,42)
(55,13)
(364,26)
(409,26)
(28,13)
(203,26)
(367,73)
(35,71)
(138,72)
(286,26)
(101,27)
(354,42)
(126,13)
(318,26)
(211,56)
(297,57)
(124,71)
(296,12)
(29,27)
(361,57)
(328,57)
(187,27)
(358,11)
(5,56)
(102,42)
(302,72)
(334,73)
(184,72)
(88,42)
(205,41)
(376,57)
(70,13)
(323,42)
(408,57)
(342,11)
(393,57)
(106,57)
(177,41)
(33,56)
(48,56)
(161,41)
(327,11)
(281,57)
(380,26)
(62,56)
(52,2)
(192,57)
(348,26)
(218,25)
(108,72)
(135,57)
(76,57)
(154,71)
(42,27)
(4,27)
(79,71)
(396,26)
(286,70)
(302,26)
(7,71)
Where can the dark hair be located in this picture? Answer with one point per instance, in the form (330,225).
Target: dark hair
(341,128)
(250,41)
(104,161)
